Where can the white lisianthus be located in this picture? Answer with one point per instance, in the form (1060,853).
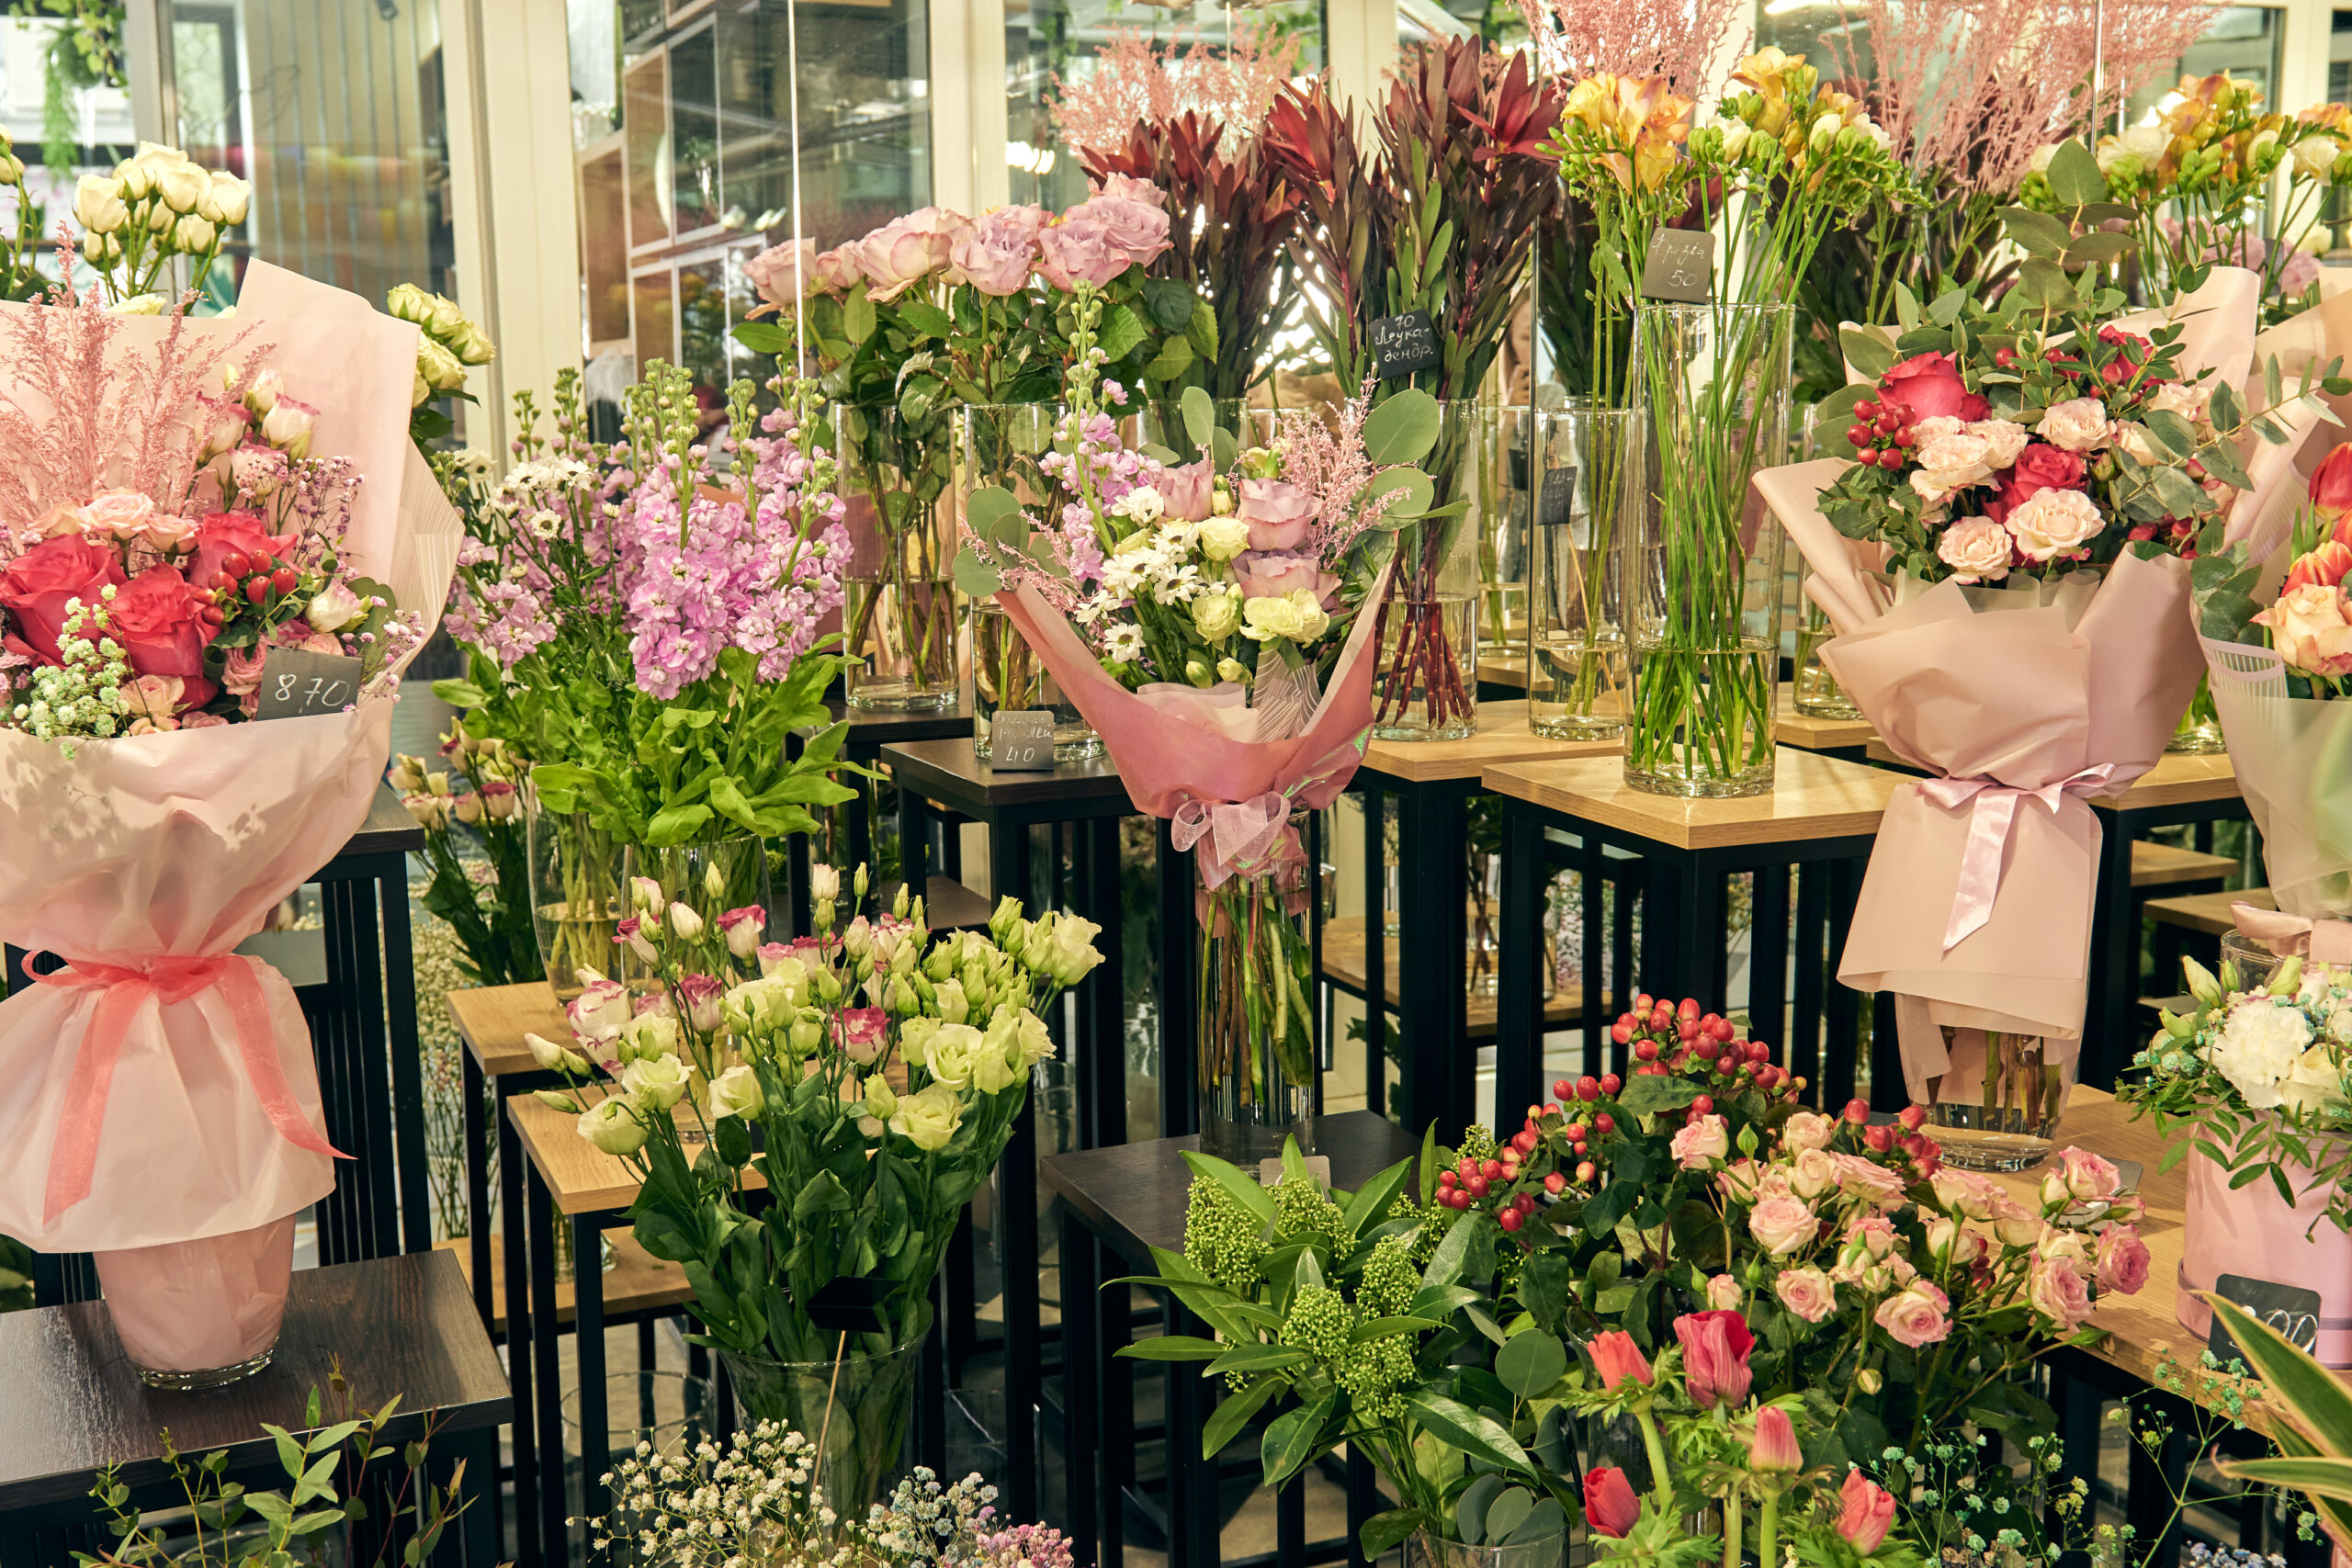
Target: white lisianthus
(612,1126)
(659,1081)
(735,1092)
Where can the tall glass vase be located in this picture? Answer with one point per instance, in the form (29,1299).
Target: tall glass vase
(1163,425)
(900,612)
(1577,682)
(1702,575)
(1427,687)
(2200,733)
(855,1411)
(711,879)
(1008,677)
(1255,1051)
(577,894)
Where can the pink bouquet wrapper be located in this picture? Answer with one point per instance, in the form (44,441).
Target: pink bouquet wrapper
(1977,906)
(1194,757)
(161,1090)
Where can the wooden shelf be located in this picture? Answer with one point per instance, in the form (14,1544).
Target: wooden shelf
(637,1282)
(582,1177)
(1810,734)
(947,904)
(1502,737)
(1813,797)
(2208,914)
(2168,866)
(493,1019)
(1343,966)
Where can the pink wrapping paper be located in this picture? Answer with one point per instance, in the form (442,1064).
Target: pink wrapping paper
(140,853)
(190,1306)
(2250,1232)
(2024,704)
(1178,744)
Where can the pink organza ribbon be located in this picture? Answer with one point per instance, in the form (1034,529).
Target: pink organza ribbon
(2325,942)
(1989,820)
(122,991)
(1239,834)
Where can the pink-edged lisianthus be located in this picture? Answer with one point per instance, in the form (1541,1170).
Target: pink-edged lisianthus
(864,1031)
(701,995)
(742,928)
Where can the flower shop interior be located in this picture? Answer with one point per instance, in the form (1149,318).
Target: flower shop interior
(1158,781)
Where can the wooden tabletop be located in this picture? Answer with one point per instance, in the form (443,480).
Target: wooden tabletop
(390,829)
(401,1326)
(1132,1195)
(1813,797)
(2178,779)
(1811,734)
(493,1019)
(1502,737)
(581,1177)
(949,773)
(1504,668)
(637,1282)
(947,904)
(1343,965)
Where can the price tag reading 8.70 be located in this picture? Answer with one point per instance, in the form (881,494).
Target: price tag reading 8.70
(296,683)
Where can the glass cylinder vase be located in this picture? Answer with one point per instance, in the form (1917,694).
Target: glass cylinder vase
(1008,677)
(854,1410)
(1164,426)
(1996,1107)
(1541,1546)
(711,880)
(1427,683)
(1702,576)
(1817,693)
(2200,733)
(577,896)
(1578,681)
(899,615)
(1254,1053)
(197,1315)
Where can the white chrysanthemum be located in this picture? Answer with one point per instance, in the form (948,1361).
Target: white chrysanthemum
(2258,1047)
(1124,644)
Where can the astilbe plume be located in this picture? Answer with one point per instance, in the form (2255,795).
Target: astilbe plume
(1633,38)
(2040,92)
(1329,462)
(1242,215)
(1138,80)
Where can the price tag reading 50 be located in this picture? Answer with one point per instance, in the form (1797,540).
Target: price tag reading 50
(296,683)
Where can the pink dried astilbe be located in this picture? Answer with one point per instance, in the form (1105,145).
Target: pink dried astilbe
(1678,40)
(1138,80)
(1330,463)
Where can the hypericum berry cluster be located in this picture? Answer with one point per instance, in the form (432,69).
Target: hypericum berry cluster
(1881,435)
(1667,1038)
(1884,1138)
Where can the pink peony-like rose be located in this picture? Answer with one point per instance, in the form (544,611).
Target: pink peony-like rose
(1125,188)
(201,721)
(2087,1175)
(1785,1226)
(996,254)
(2054,523)
(119,514)
(1950,463)
(1080,249)
(241,672)
(1928,386)
(2123,1261)
(2309,625)
(1139,229)
(1714,1357)
(1190,491)
(905,251)
(783,276)
(1865,1512)
(1278,513)
(1271,574)
(2054,1290)
(38,583)
(2078,424)
(1977,550)
(1916,1315)
(158,617)
(1806,1293)
(1697,1144)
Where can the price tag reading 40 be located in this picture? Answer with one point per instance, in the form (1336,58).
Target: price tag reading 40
(296,683)
(1022,740)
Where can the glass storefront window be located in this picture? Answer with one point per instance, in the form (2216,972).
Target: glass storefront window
(2245,41)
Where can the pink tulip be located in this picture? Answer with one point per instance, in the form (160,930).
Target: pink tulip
(1865,1512)
(1617,1358)
(1714,1357)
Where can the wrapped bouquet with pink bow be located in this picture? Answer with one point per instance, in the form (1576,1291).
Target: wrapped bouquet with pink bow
(2034,474)
(1206,619)
(207,612)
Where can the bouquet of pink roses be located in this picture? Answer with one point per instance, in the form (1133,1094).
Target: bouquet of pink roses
(182,503)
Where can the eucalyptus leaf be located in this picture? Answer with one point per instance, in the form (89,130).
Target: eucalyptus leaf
(1402,429)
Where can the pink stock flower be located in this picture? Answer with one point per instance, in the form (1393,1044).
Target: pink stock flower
(1714,1357)
(1617,1358)
(1865,1512)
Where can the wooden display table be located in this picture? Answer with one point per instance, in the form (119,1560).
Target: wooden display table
(1821,816)
(1344,963)
(1433,781)
(1845,738)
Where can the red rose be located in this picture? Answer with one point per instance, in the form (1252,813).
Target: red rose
(159,621)
(39,582)
(1928,386)
(224,533)
(2039,468)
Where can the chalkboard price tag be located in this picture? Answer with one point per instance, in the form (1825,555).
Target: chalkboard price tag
(296,683)
(1555,504)
(1022,741)
(1404,345)
(2290,1309)
(1681,267)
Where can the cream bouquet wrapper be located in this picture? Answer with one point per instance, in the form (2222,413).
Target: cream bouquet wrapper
(2025,702)
(160,1092)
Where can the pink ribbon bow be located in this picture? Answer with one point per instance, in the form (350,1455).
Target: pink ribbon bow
(1240,833)
(2325,942)
(123,990)
(1989,821)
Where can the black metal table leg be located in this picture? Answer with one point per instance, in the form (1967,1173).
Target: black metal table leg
(1519,979)
(1102,1001)
(555,1540)
(1814,960)
(2115,956)
(588,1350)
(1375,950)
(520,1341)
(407,1058)
(1178,927)
(1439,1066)
(1591,863)
(1081,1380)
(1767,968)
(471,1086)
(1192,1534)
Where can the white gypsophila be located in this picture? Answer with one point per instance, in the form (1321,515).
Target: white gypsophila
(2258,1047)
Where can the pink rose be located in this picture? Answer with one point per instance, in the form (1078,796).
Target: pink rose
(1123,188)
(1080,249)
(864,1031)
(241,675)
(1700,1144)
(2054,523)
(1189,491)
(201,721)
(905,251)
(2057,1292)
(1914,1315)
(225,534)
(1741,1180)
(2088,1176)
(1617,1358)
(780,282)
(1875,1231)
(2038,467)
(1271,574)
(1928,386)
(1977,550)
(1967,1195)
(36,585)
(996,253)
(1714,1357)
(1806,1293)
(153,696)
(1865,1512)
(1139,229)
(2078,424)
(1278,514)
(1724,1293)
(1807,1130)
(2122,1264)
(158,617)
(2309,626)
(120,514)
(1812,1173)
(1871,1182)
(1784,1225)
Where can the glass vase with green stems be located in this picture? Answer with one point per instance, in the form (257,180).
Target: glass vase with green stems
(1577,682)
(1254,979)
(899,605)
(578,894)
